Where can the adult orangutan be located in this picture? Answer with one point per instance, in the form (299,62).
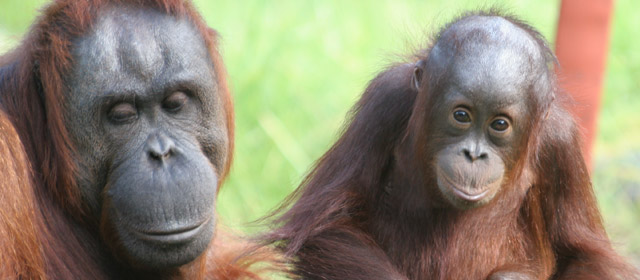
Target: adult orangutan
(117,132)
(462,164)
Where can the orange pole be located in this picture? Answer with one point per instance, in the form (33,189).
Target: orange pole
(581,47)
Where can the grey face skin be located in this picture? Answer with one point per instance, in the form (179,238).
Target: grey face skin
(482,113)
(149,129)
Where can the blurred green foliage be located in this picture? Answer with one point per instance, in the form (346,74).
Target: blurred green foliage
(296,67)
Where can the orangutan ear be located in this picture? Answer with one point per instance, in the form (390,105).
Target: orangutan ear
(418,70)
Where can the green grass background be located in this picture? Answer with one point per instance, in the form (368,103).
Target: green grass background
(296,67)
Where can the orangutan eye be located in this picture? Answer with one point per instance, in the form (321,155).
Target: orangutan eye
(462,116)
(500,125)
(175,101)
(123,113)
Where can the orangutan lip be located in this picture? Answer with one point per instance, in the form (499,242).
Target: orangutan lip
(467,196)
(464,194)
(178,235)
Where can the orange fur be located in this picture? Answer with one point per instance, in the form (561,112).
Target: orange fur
(236,258)
(18,240)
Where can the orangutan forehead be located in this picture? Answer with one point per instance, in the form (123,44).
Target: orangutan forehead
(489,30)
(485,36)
(140,44)
(500,72)
(488,54)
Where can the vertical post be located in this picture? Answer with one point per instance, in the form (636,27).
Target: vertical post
(581,47)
